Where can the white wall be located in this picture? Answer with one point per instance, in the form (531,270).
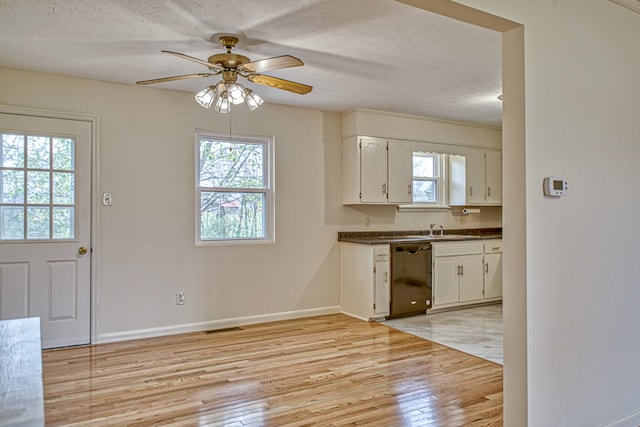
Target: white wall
(582,109)
(146,251)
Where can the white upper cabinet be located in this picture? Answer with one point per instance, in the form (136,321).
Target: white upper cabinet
(373,172)
(493,162)
(399,172)
(475,178)
(376,171)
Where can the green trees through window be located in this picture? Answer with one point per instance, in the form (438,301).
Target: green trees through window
(234,189)
(37,187)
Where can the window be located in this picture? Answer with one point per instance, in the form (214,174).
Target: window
(37,188)
(234,189)
(427,179)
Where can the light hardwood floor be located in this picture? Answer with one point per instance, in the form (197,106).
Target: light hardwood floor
(323,371)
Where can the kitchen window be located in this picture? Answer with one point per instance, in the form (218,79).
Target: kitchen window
(428,182)
(234,189)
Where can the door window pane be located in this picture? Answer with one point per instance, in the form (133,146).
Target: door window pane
(11,222)
(38,152)
(63,191)
(63,154)
(12,149)
(38,223)
(37,187)
(63,223)
(12,186)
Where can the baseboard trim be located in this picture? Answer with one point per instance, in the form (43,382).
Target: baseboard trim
(631,419)
(213,324)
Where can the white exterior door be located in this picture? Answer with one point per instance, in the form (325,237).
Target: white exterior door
(45,224)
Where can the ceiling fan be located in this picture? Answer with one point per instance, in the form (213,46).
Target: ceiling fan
(230,65)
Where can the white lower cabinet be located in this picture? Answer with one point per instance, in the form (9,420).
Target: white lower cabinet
(464,274)
(365,280)
(493,270)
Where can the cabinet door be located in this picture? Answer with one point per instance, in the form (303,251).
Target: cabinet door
(494,176)
(475,169)
(400,172)
(446,281)
(373,170)
(493,276)
(471,278)
(381,289)
(457,180)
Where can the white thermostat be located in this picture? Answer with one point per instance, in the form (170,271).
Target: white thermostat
(555,187)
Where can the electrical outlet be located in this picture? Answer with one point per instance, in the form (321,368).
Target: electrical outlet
(106,199)
(367,221)
(180,298)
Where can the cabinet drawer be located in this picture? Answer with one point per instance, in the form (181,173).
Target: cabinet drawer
(493,246)
(457,248)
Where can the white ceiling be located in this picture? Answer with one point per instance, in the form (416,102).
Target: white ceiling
(375,54)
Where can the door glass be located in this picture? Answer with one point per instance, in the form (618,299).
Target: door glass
(37,187)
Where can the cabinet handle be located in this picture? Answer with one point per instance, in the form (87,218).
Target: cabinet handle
(486,268)
(470,191)
(384,188)
(386,277)
(409,189)
(462,270)
(489,191)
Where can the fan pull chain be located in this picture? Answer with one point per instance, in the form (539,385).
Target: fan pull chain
(230,127)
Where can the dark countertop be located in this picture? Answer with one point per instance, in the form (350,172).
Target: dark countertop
(420,236)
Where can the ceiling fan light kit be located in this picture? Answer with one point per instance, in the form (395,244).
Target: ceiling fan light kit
(228,91)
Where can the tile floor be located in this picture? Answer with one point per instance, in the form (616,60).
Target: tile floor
(476,330)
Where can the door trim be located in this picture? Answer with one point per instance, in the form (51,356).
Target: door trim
(94,120)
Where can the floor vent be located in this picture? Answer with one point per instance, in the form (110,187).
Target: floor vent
(629,4)
(216,331)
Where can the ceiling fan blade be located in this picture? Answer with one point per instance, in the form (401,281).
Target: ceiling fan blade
(172,78)
(196,60)
(268,64)
(294,87)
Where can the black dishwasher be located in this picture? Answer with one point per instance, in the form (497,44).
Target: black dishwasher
(411,282)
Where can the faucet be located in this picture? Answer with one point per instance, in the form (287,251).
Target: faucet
(441,230)
(431,229)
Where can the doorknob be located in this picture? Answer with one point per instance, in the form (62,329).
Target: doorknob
(82,250)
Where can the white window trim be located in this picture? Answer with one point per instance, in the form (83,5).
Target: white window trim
(442,204)
(269,190)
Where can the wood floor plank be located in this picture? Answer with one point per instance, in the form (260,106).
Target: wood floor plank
(328,370)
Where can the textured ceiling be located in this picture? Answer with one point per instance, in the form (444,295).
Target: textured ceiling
(375,54)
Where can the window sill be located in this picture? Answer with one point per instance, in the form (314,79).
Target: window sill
(236,242)
(422,208)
